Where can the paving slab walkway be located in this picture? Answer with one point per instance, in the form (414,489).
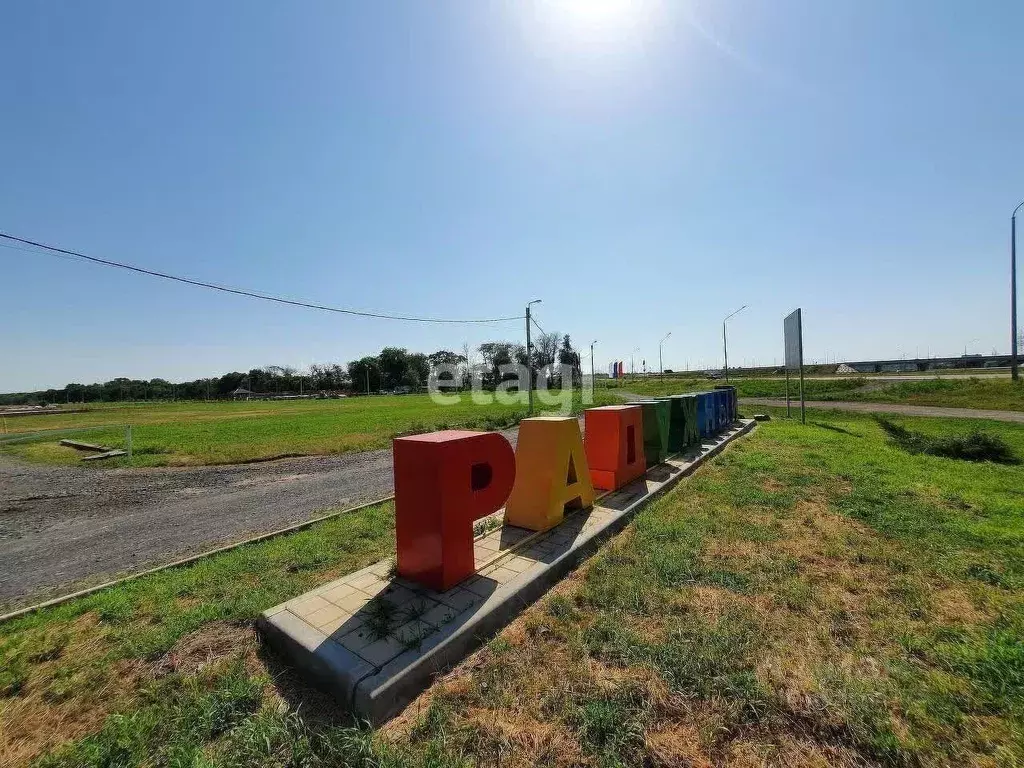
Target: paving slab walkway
(900,408)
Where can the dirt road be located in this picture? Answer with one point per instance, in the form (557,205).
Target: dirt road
(906,410)
(63,526)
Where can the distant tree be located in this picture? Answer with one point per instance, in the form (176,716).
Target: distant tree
(546,349)
(339,377)
(228,383)
(417,371)
(495,354)
(365,371)
(445,357)
(394,362)
(569,356)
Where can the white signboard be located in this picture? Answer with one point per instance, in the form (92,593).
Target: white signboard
(793,328)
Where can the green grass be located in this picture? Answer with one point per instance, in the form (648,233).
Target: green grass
(977,445)
(985,393)
(189,433)
(991,394)
(814,596)
(756,387)
(63,667)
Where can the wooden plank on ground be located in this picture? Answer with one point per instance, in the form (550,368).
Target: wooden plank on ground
(107,455)
(79,446)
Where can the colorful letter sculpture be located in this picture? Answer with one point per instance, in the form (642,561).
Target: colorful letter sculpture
(692,427)
(683,430)
(551,473)
(614,438)
(656,428)
(721,408)
(706,413)
(444,481)
(733,407)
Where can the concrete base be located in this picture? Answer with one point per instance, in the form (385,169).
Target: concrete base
(375,641)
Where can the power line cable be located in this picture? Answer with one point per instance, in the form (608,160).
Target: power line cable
(532,318)
(63,252)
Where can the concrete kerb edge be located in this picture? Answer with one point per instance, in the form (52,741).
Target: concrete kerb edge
(382,702)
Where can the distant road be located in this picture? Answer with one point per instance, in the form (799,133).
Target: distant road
(906,410)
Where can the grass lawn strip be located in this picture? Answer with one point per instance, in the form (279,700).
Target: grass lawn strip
(195,433)
(986,394)
(983,393)
(814,596)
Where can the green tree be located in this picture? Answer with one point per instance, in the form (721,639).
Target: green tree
(363,372)
(393,361)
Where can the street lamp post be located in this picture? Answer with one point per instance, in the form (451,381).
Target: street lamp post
(1013,292)
(661,367)
(632,367)
(593,381)
(725,342)
(529,359)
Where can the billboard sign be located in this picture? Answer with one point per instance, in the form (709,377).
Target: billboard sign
(793,329)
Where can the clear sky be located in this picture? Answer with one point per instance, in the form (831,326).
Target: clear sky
(642,167)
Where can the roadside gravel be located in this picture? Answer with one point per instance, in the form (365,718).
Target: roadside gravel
(64,527)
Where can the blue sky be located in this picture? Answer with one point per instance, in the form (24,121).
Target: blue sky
(643,168)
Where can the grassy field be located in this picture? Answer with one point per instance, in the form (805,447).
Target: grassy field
(813,388)
(989,393)
(994,394)
(189,433)
(814,596)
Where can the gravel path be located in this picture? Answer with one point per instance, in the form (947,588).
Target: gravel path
(906,410)
(64,526)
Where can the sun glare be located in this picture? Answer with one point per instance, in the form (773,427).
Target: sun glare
(601,22)
(599,14)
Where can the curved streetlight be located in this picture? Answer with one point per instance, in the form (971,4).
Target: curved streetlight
(661,367)
(725,343)
(1013,292)
(632,366)
(529,358)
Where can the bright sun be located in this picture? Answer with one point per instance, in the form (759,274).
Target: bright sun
(600,22)
(599,13)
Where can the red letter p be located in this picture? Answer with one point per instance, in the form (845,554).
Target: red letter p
(444,481)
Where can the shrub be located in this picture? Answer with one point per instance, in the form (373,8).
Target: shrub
(974,446)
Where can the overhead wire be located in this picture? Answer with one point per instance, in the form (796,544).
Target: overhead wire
(65,253)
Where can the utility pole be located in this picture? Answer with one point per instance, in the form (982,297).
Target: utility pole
(529,359)
(725,342)
(593,381)
(1014,374)
(367,379)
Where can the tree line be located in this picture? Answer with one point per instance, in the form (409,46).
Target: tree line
(394,369)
